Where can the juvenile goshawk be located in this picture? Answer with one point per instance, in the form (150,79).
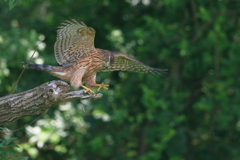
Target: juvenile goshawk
(80,60)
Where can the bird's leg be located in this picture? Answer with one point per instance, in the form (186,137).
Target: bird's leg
(87,89)
(92,83)
(102,85)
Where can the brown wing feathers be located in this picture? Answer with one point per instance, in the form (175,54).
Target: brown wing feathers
(74,39)
(126,63)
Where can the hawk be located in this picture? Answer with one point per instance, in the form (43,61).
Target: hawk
(80,60)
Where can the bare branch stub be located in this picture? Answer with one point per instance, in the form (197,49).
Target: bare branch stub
(38,100)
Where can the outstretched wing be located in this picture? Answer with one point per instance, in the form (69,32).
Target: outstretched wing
(126,63)
(74,39)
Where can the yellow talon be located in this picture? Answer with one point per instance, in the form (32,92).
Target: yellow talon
(102,85)
(88,90)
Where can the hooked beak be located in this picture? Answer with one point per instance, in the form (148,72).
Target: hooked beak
(107,65)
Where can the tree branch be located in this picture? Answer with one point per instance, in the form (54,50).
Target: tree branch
(38,100)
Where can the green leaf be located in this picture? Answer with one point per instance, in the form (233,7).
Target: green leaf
(7,141)
(3,129)
(11,4)
(3,143)
(11,152)
(13,145)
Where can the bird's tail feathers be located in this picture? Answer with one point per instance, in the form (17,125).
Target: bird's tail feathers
(47,68)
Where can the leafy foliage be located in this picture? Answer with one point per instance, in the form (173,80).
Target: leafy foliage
(191,113)
(6,153)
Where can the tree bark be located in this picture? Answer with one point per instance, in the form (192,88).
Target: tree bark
(38,100)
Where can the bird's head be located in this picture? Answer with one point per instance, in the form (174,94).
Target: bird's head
(109,59)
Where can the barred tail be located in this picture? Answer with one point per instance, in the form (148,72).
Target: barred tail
(47,68)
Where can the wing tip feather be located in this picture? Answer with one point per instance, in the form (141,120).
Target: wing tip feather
(159,72)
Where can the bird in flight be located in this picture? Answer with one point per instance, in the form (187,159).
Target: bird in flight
(80,60)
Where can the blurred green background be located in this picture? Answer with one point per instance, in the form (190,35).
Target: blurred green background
(193,113)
